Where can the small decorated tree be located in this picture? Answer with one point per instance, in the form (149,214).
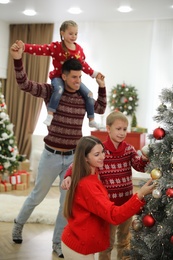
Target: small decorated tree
(134,121)
(123,98)
(8,147)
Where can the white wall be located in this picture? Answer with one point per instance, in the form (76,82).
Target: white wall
(122,51)
(4,48)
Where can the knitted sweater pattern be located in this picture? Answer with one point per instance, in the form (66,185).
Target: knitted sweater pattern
(59,56)
(66,127)
(116,174)
(87,231)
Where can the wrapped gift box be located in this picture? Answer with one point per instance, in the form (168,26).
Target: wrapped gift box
(24,166)
(5,187)
(21,186)
(18,178)
(139,129)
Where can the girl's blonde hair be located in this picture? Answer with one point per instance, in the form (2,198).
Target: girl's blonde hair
(64,26)
(112,117)
(80,169)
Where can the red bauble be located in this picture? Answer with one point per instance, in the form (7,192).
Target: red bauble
(171,239)
(169,192)
(148,221)
(159,133)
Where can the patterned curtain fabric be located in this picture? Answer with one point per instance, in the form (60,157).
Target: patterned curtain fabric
(24,109)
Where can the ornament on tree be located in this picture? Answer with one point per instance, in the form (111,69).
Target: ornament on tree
(145,150)
(169,192)
(171,239)
(156,174)
(159,133)
(136,224)
(156,194)
(148,221)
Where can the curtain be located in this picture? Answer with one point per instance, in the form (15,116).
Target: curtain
(24,109)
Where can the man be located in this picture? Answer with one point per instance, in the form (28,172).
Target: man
(63,134)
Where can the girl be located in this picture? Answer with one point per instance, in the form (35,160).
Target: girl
(87,207)
(61,51)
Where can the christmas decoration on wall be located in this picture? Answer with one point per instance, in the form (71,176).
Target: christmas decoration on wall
(155,238)
(8,147)
(124,98)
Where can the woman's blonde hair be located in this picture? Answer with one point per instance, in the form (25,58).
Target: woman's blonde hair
(80,169)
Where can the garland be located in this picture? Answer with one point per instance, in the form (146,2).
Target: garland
(123,98)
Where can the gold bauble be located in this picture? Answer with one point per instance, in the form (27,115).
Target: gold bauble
(156,174)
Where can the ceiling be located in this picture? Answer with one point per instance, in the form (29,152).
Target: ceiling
(93,10)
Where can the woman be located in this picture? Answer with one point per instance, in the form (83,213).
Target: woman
(87,206)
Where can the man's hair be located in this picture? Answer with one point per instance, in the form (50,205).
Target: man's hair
(71,64)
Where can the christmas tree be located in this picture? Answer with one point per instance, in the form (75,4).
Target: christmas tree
(152,228)
(8,147)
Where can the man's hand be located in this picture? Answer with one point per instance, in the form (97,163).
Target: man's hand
(66,183)
(100,80)
(16,51)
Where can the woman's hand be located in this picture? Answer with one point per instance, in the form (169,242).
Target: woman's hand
(147,188)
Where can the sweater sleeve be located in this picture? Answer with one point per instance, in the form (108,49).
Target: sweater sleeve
(36,89)
(137,163)
(69,171)
(96,201)
(39,49)
(101,102)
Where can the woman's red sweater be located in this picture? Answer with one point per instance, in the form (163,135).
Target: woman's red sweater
(87,231)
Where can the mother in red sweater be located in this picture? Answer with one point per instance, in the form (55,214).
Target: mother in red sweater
(87,206)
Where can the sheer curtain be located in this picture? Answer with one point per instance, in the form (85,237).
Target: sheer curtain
(161,65)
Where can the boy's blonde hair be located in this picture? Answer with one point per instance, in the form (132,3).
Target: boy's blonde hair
(114,116)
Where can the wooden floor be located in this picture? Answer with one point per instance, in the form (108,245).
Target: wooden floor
(37,238)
